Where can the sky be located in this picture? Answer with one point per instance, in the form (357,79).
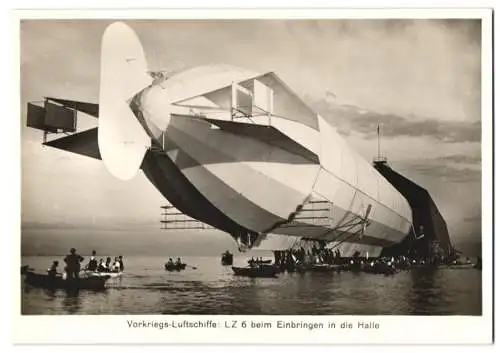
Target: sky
(419,79)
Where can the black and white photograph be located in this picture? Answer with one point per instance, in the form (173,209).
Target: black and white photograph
(245,166)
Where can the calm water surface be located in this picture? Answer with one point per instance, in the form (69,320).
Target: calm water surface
(206,287)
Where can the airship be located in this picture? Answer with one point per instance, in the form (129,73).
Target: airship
(232,148)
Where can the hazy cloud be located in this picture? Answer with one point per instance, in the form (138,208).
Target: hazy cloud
(99,224)
(350,117)
(452,168)
(464,159)
(474,218)
(448,173)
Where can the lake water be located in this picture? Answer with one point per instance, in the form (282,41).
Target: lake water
(207,287)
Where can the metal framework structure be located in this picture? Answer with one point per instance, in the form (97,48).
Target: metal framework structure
(42,118)
(174,219)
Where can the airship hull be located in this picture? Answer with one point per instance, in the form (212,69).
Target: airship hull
(323,191)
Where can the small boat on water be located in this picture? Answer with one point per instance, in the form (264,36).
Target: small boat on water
(256,271)
(45,281)
(227,259)
(174,267)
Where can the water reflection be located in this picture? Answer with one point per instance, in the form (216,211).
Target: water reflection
(71,301)
(215,290)
(50,293)
(426,292)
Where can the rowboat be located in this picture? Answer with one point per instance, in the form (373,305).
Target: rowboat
(45,281)
(174,267)
(259,271)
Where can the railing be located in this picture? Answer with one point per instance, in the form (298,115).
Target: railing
(174,219)
(316,213)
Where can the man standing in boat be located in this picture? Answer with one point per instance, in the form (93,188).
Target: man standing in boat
(73,261)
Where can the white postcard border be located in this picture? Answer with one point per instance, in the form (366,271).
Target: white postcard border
(393,329)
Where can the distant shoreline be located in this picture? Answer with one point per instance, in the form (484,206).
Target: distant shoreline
(145,254)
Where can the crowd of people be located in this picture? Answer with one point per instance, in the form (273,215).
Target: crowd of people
(73,265)
(315,255)
(289,259)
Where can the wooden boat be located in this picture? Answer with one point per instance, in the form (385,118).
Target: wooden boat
(257,271)
(44,281)
(175,267)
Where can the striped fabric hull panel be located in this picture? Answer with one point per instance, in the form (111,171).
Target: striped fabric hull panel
(260,187)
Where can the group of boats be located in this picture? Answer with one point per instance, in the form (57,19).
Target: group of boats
(383,266)
(266,269)
(96,280)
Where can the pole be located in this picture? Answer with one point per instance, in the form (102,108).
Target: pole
(378,141)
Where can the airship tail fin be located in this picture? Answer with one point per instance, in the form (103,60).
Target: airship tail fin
(122,140)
